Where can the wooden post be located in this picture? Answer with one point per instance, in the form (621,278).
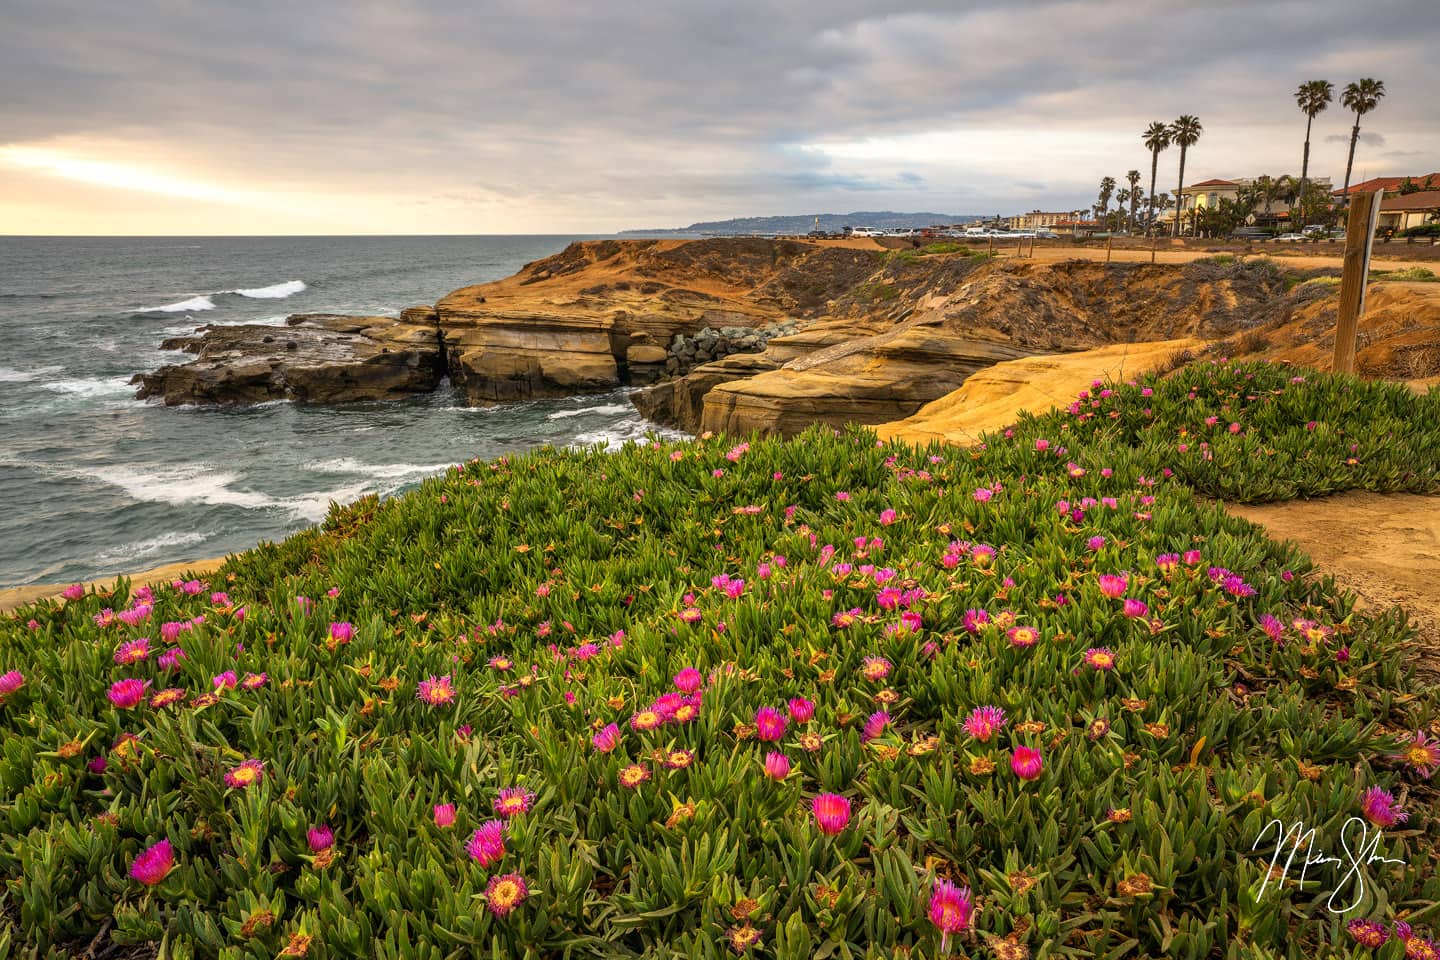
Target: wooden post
(1355,273)
(991,251)
(1153,242)
(1108,242)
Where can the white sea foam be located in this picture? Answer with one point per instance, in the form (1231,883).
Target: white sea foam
(607,409)
(184,306)
(189,328)
(143,548)
(313,507)
(631,428)
(188,483)
(276,291)
(10,375)
(389,471)
(91,387)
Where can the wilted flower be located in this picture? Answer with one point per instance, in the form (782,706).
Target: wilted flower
(153,864)
(984,722)
(245,774)
(436,691)
(678,759)
(127,694)
(1027,764)
(505,892)
(1368,933)
(1097,728)
(167,697)
(513,801)
(832,812)
(254,681)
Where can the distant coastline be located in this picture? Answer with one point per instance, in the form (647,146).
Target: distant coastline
(804,223)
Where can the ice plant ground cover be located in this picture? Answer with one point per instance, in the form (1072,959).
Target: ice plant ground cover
(816,697)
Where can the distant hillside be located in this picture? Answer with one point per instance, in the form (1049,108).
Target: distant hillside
(829,222)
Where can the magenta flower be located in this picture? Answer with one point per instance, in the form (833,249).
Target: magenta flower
(875,725)
(127,694)
(1420,754)
(1027,764)
(832,813)
(887,517)
(245,774)
(1113,585)
(74,592)
(1379,808)
(801,710)
(1273,628)
(607,739)
(513,801)
(170,659)
(1135,608)
(875,669)
(487,844)
(320,838)
(1095,544)
(777,766)
(224,681)
(769,724)
(342,632)
(688,680)
(153,864)
(10,682)
(1023,636)
(506,892)
(444,814)
(133,651)
(1100,658)
(254,681)
(436,691)
(984,722)
(951,910)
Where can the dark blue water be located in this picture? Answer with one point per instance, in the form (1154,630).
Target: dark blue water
(95,482)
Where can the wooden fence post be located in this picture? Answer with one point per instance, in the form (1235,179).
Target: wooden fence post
(1108,242)
(1355,273)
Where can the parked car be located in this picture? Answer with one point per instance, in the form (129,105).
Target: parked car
(1291,238)
(1250,233)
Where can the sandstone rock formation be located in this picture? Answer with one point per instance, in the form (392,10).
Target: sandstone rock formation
(314,358)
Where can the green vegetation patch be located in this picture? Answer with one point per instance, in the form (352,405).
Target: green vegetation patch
(823,697)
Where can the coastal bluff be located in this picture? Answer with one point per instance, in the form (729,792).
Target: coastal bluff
(725,334)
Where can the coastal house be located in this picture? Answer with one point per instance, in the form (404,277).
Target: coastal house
(1209,193)
(1430,181)
(1038,220)
(1405,210)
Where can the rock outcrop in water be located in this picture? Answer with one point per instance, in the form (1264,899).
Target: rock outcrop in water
(314,358)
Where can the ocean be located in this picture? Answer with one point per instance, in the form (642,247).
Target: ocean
(95,482)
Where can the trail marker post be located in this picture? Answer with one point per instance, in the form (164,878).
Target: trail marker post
(1108,242)
(1355,273)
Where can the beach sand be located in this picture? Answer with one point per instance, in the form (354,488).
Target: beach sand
(14,597)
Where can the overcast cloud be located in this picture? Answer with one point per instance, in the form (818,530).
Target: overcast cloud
(498,117)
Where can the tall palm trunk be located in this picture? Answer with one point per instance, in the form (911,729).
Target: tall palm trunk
(1179,194)
(1150,206)
(1354,135)
(1304,168)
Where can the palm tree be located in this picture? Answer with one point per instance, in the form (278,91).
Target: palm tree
(1156,138)
(1362,96)
(1184,131)
(1107,190)
(1312,97)
(1132,177)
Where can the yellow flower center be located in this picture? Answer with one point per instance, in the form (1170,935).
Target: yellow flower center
(506,893)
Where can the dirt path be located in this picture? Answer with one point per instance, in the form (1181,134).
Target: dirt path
(1385,547)
(13,597)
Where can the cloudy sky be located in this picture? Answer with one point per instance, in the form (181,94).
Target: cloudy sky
(478,116)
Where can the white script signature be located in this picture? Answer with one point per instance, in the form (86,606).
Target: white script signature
(1362,854)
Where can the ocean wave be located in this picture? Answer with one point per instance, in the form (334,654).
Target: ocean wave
(179,485)
(629,430)
(276,291)
(142,548)
(389,471)
(184,306)
(186,329)
(608,409)
(11,375)
(203,301)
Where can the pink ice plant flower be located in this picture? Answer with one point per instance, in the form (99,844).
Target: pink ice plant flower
(1027,763)
(486,845)
(444,814)
(777,766)
(1113,585)
(801,710)
(1380,808)
(127,694)
(10,682)
(1420,754)
(769,724)
(985,722)
(831,812)
(607,739)
(952,910)
(153,864)
(320,838)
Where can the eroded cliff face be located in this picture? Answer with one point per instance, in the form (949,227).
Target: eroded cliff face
(850,333)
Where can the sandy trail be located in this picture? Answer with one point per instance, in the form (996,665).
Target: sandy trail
(14,597)
(1384,547)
